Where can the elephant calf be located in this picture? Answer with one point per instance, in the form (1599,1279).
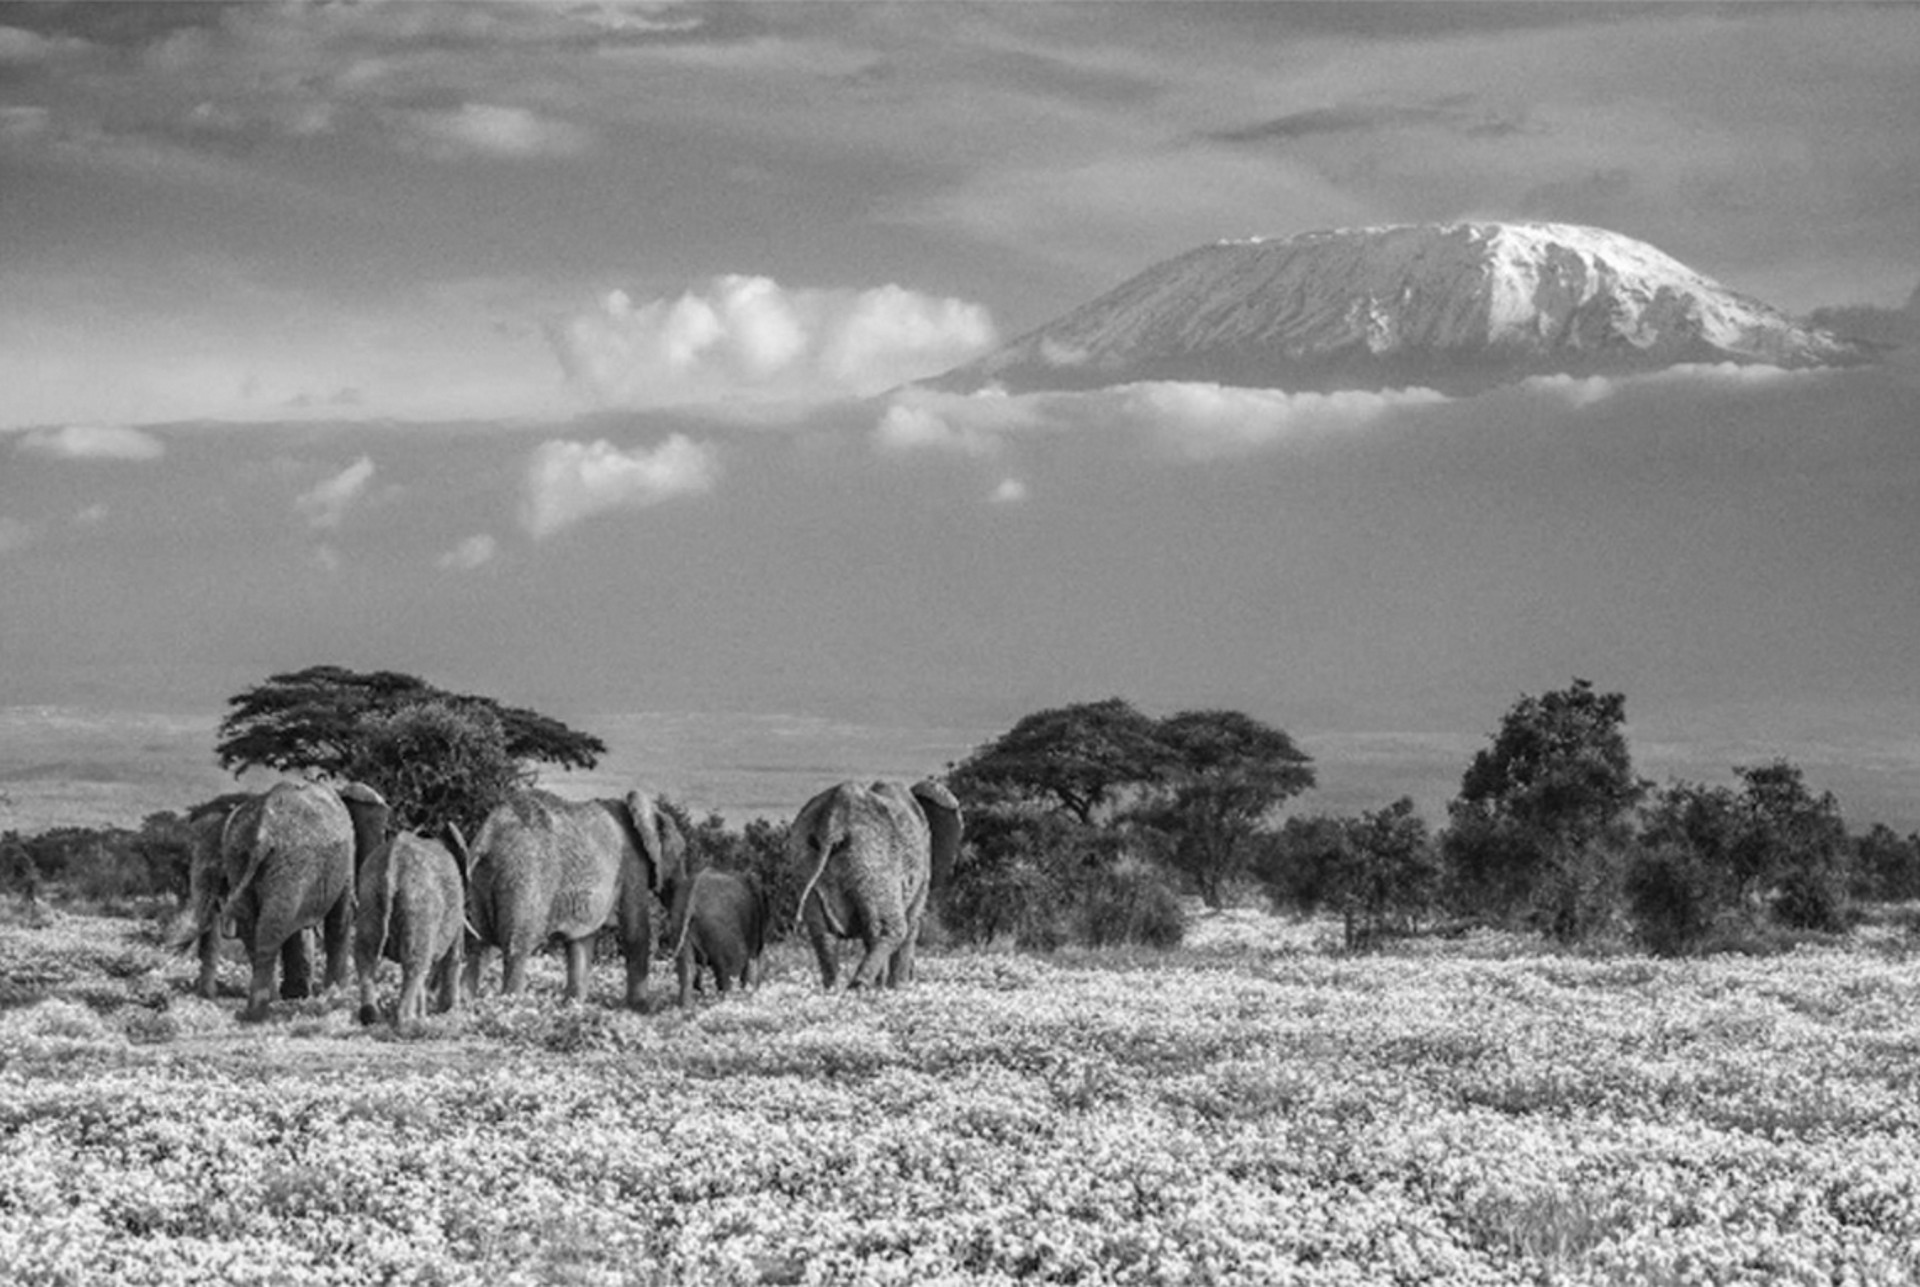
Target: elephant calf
(719,921)
(413,900)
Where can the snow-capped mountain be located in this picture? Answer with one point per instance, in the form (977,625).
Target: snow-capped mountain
(1456,307)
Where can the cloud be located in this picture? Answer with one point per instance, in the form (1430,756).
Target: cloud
(909,426)
(93,442)
(489,130)
(1011,491)
(471,553)
(16,535)
(1191,420)
(327,503)
(91,515)
(1587,390)
(749,337)
(569,481)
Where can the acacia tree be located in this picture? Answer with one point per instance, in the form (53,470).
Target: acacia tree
(1539,822)
(1081,759)
(436,756)
(1224,773)
(1197,786)
(311,721)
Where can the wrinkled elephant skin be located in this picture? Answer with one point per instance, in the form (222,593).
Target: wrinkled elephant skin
(413,908)
(719,922)
(545,868)
(273,865)
(871,854)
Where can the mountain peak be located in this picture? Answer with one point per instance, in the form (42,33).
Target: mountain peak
(1457,307)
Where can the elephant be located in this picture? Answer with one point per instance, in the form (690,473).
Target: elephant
(875,853)
(544,867)
(412,894)
(718,920)
(268,867)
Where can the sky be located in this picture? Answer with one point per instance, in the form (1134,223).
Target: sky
(554,352)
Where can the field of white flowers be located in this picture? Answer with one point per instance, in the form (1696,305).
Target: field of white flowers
(1252,1109)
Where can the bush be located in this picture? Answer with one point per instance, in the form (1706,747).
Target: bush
(1131,902)
(1672,896)
(1808,898)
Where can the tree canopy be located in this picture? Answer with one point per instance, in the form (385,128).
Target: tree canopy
(1194,786)
(1080,758)
(315,721)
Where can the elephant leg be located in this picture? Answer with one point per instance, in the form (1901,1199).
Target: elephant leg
(260,987)
(686,972)
(413,994)
(449,980)
(296,968)
(900,968)
(209,945)
(880,953)
(337,940)
(368,970)
(823,951)
(636,941)
(476,961)
(513,974)
(579,965)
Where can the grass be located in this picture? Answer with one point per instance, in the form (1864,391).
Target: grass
(1253,1107)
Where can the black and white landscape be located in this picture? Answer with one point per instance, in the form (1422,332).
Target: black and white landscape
(792,392)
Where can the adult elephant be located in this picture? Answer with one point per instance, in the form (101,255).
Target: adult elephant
(718,921)
(544,868)
(412,895)
(268,867)
(874,854)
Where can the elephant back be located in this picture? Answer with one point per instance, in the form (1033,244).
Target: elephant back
(542,865)
(424,894)
(295,840)
(864,847)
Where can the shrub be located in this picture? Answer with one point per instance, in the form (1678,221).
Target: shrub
(1672,896)
(1131,902)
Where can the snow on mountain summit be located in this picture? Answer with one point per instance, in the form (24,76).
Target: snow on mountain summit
(1456,307)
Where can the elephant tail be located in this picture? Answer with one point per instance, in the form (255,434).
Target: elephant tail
(799,915)
(683,909)
(386,902)
(257,855)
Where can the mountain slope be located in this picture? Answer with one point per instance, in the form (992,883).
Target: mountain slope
(1457,307)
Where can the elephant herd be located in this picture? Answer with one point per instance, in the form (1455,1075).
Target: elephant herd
(301,856)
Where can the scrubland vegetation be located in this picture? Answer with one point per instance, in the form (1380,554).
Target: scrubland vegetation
(1592,1030)
(1258,1106)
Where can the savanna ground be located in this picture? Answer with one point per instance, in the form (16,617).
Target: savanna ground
(1253,1108)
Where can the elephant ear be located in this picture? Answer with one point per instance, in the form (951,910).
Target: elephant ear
(942,812)
(660,840)
(370,813)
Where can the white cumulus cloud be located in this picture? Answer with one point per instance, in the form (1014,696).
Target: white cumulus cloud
(1011,491)
(327,503)
(93,442)
(568,481)
(475,551)
(746,337)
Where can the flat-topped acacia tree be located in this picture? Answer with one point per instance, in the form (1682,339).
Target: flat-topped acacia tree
(437,756)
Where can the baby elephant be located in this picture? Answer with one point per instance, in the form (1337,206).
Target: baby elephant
(413,909)
(718,920)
